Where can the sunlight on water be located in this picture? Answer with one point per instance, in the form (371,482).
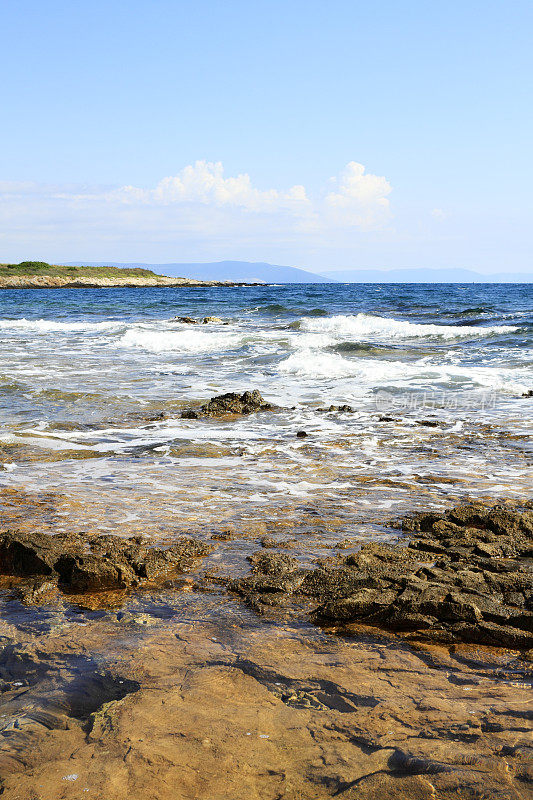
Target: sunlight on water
(93,383)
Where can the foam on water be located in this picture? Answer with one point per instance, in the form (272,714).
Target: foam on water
(187,340)
(383,328)
(54,326)
(313,364)
(84,382)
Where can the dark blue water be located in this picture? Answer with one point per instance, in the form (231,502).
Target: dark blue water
(474,304)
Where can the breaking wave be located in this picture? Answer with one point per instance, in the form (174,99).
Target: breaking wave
(52,326)
(369,372)
(363,325)
(183,341)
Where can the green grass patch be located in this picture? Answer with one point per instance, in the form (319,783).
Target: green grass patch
(30,268)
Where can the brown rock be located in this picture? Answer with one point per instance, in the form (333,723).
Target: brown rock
(111,563)
(230,403)
(32,553)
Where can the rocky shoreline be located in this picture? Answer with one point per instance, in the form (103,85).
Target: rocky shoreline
(60,282)
(217,664)
(464,575)
(398,671)
(173,707)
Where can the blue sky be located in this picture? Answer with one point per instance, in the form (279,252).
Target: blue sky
(322,135)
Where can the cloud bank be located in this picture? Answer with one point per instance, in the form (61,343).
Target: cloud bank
(198,207)
(204,182)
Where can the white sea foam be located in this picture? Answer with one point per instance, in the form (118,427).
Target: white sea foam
(369,372)
(363,326)
(186,340)
(52,326)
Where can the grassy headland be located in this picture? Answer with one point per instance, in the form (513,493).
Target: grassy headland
(39,274)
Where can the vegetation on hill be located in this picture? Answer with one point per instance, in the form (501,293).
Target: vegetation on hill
(27,268)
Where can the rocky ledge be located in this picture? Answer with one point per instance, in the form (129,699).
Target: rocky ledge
(464,575)
(60,282)
(193,321)
(230,403)
(75,564)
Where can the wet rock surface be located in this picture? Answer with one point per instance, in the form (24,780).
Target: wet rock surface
(78,564)
(465,575)
(194,710)
(185,320)
(229,404)
(180,692)
(344,408)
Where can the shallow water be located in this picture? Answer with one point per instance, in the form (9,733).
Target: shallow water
(93,382)
(181,691)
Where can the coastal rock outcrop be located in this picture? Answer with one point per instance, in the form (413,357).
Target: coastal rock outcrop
(230,403)
(200,709)
(465,575)
(193,321)
(96,564)
(185,320)
(344,408)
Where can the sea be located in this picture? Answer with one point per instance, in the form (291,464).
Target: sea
(93,382)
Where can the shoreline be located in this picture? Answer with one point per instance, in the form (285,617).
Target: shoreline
(178,682)
(459,576)
(53,282)
(319,588)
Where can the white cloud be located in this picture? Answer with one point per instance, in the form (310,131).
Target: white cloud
(204,182)
(438,213)
(198,208)
(360,199)
(359,202)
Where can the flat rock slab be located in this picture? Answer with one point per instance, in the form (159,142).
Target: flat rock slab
(203,712)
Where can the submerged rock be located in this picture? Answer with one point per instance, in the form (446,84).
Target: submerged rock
(207,320)
(465,575)
(343,408)
(100,563)
(185,320)
(230,403)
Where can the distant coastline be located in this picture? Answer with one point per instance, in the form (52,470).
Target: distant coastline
(260,271)
(40,275)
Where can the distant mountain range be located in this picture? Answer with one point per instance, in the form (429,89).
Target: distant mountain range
(426,276)
(257,271)
(247,271)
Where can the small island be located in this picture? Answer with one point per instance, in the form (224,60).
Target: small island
(40,275)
